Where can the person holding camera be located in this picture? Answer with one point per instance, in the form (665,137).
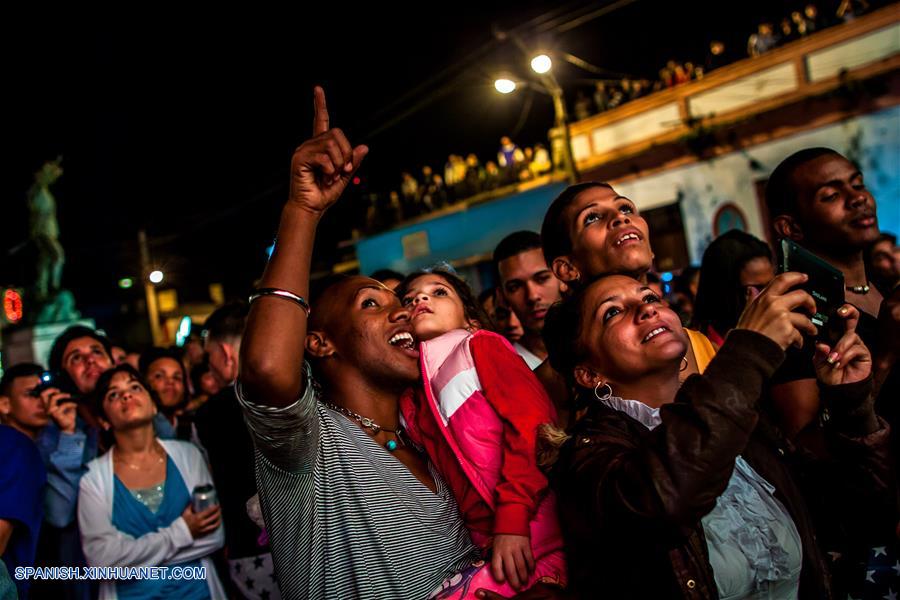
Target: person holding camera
(22,474)
(818,199)
(32,402)
(134,503)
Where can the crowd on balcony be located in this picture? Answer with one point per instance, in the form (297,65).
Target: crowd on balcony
(461,178)
(611,93)
(434,187)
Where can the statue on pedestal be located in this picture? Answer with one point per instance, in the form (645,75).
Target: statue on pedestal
(55,303)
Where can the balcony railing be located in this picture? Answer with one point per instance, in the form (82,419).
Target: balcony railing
(866,47)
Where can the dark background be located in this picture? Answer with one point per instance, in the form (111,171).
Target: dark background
(183,123)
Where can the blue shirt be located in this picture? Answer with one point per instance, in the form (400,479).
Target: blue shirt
(132,517)
(22,479)
(65,455)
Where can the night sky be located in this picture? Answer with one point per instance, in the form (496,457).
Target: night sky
(183,123)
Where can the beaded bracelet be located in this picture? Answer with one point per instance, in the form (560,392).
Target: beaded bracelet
(299,300)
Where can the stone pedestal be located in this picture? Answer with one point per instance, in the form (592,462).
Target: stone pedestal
(32,343)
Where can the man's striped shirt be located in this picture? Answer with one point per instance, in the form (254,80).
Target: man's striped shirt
(345,518)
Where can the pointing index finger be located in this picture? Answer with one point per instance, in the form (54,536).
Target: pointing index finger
(320,116)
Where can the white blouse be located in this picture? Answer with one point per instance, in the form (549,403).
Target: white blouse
(754,547)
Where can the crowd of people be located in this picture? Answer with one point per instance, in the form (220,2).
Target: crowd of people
(609,94)
(105,448)
(463,178)
(572,433)
(799,24)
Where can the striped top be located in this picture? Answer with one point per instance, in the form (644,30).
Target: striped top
(345,518)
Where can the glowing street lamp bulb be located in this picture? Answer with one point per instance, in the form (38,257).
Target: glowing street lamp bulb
(505,86)
(541,63)
(156,277)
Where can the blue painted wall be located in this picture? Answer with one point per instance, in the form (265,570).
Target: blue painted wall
(470,232)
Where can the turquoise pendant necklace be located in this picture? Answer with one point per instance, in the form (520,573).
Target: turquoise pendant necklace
(371,425)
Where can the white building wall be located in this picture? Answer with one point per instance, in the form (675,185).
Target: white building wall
(872,140)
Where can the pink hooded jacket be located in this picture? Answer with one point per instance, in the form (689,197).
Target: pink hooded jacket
(474,437)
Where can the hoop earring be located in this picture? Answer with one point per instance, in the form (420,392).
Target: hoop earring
(684,364)
(605,396)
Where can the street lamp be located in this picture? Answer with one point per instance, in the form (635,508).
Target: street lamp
(551,87)
(152,277)
(541,64)
(504,85)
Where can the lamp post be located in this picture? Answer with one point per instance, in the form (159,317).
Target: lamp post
(559,136)
(150,279)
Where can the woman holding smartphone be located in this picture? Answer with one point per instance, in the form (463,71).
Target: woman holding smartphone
(687,491)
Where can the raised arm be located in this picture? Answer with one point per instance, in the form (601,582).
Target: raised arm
(857,471)
(273,343)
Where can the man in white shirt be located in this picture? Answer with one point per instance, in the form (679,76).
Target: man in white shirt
(529,287)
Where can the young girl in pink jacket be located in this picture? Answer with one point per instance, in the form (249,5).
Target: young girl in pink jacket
(477,416)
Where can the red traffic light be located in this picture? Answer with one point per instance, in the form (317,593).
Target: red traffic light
(12,305)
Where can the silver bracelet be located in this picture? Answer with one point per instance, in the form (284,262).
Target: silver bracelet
(299,300)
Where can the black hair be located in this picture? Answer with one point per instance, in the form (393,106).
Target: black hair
(226,322)
(554,230)
(322,286)
(73,333)
(197,373)
(682,282)
(16,371)
(471,307)
(485,295)
(720,298)
(105,380)
(562,333)
(781,193)
(516,243)
(884,236)
(153,354)
(489,322)
(885,287)
(320,289)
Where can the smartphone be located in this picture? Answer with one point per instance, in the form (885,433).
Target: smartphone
(825,285)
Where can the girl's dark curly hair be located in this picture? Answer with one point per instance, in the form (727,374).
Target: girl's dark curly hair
(471,307)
